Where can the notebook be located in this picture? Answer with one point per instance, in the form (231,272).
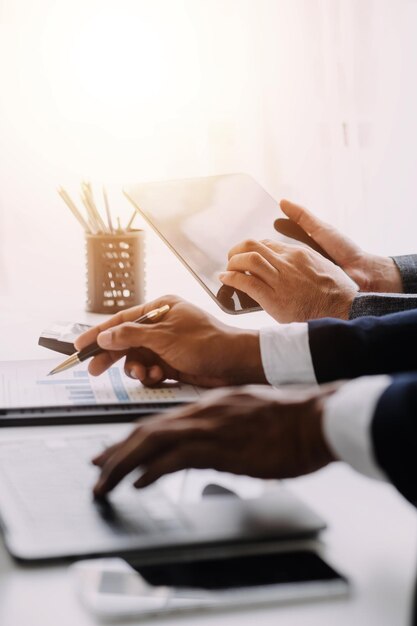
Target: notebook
(29,396)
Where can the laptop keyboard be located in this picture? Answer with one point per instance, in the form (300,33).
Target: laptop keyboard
(51,481)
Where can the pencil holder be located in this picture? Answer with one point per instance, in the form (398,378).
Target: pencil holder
(115,271)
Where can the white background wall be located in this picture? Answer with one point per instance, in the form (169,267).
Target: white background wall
(315,98)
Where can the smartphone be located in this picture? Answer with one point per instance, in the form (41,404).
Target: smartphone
(113,588)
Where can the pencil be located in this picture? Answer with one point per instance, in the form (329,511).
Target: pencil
(129,225)
(88,193)
(106,206)
(91,217)
(70,204)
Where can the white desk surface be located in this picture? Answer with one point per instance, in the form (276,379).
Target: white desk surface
(372,534)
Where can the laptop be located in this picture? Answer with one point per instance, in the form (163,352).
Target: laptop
(47,510)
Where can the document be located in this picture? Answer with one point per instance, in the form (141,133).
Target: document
(25,384)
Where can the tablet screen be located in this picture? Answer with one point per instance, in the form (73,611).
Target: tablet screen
(200,219)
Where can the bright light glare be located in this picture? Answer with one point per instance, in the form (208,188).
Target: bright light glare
(114,63)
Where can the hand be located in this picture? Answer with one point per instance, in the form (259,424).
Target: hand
(291,283)
(257,431)
(369,271)
(185,345)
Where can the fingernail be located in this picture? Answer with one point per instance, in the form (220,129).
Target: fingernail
(104,338)
(133,374)
(153,373)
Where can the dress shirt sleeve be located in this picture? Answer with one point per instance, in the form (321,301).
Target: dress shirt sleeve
(347,423)
(286,356)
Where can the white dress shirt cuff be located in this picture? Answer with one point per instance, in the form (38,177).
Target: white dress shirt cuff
(347,422)
(286,355)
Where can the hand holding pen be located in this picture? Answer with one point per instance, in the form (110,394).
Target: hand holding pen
(94,349)
(186,345)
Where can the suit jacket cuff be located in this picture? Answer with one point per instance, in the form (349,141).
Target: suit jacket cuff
(407,264)
(381,304)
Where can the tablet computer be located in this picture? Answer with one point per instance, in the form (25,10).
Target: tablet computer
(200,219)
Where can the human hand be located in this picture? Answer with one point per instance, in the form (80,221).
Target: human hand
(256,431)
(291,283)
(369,271)
(186,344)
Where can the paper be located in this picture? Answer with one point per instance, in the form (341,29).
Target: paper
(25,384)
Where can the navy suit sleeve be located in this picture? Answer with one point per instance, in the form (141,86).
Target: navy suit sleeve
(364,346)
(394,434)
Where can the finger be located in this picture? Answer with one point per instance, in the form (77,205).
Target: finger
(143,365)
(301,216)
(129,315)
(148,376)
(128,335)
(115,467)
(272,245)
(103,361)
(138,364)
(336,244)
(251,285)
(90,335)
(198,456)
(136,370)
(103,456)
(155,375)
(255,263)
(108,452)
(142,447)
(252,245)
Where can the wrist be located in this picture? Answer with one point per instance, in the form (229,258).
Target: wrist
(243,354)
(316,451)
(340,303)
(384,276)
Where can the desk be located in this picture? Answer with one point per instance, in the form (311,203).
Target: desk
(372,534)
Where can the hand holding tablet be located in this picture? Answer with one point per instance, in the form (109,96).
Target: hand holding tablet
(206,221)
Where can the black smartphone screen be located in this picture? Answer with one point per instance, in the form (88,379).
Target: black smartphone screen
(240,571)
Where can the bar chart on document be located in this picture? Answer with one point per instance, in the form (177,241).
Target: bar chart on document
(25,384)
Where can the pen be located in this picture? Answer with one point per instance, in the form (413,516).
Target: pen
(94,349)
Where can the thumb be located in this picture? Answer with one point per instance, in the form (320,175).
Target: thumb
(127,335)
(301,216)
(339,247)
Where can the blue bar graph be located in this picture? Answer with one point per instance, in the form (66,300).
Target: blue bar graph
(68,381)
(78,390)
(118,386)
